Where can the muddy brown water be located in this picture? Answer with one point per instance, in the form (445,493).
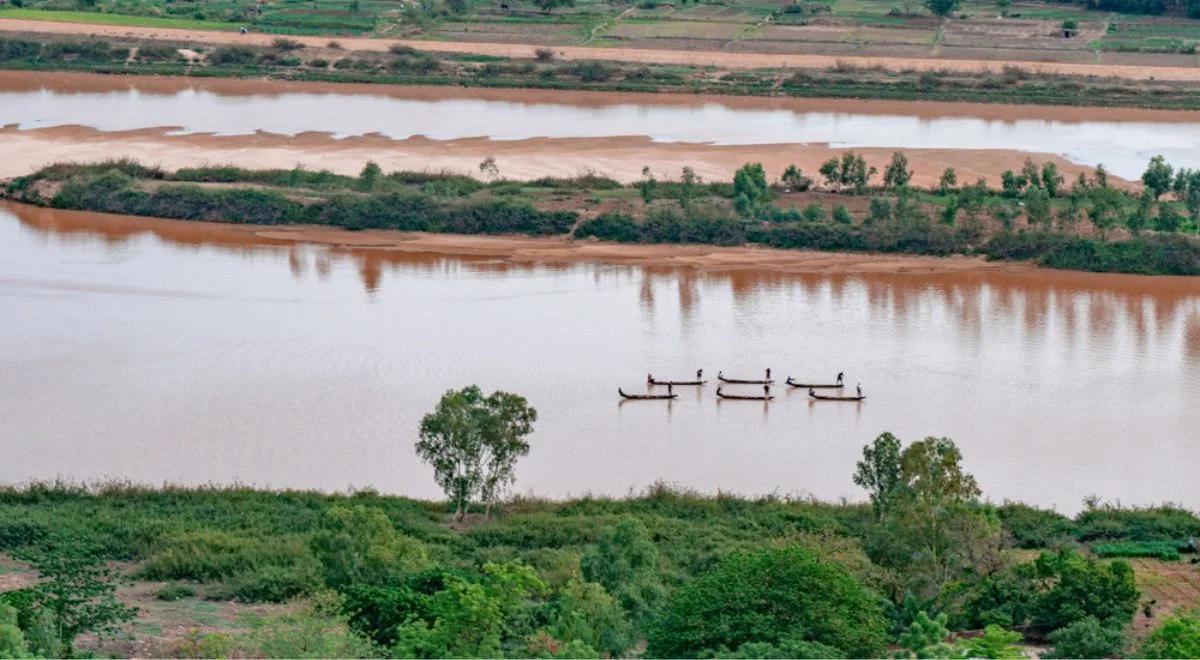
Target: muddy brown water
(161,351)
(1122,140)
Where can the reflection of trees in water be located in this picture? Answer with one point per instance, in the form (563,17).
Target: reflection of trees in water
(1154,311)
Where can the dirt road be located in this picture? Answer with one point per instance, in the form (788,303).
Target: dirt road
(647,56)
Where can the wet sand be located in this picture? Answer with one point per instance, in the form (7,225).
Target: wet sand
(70,82)
(647,56)
(619,158)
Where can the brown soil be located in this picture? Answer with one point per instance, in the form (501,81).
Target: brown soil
(727,60)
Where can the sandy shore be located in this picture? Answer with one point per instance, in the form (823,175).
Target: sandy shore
(646,56)
(621,158)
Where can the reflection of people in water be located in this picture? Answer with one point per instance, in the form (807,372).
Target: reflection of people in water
(812,392)
(840,375)
(766,390)
(859,388)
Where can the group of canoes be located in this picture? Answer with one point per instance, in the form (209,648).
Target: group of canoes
(766,381)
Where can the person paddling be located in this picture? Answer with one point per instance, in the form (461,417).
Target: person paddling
(670,390)
(768,374)
(650,378)
(859,388)
(840,375)
(699,374)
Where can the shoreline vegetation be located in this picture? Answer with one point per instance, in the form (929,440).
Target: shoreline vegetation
(288,59)
(1035,216)
(923,569)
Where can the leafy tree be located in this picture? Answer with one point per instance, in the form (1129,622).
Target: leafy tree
(585,612)
(749,189)
(489,168)
(688,184)
(625,562)
(897,174)
(1168,219)
(548,6)
(1177,636)
(996,643)
(927,637)
(1187,190)
(12,640)
(1138,220)
(1100,176)
(949,181)
(467,619)
(473,443)
(1158,177)
(369,177)
(1087,638)
(1082,587)
(771,596)
(648,186)
(942,7)
(76,593)
(794,180)
(932,531)
(1030,174)
(1105,203)
(841,215)
(831,173)
(1037,207)
(879,471)
(855,173)
(1051,180)
(1011,185)
(359,544)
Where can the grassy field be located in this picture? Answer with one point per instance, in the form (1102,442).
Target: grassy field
(902,28)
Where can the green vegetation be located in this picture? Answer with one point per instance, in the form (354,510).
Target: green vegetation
(407,66)
(1176,637)
(1157,549)
(1034,216)
(681,573)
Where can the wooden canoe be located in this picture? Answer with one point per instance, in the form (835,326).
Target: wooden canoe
(824,397)
(676,383)
(745,397)
(643,397)
(745,381)
(814,386)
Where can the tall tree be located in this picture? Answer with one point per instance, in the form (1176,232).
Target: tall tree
(879,471)
(749,189)
(473,443)
(1158,177)
(897,174)
(942,7)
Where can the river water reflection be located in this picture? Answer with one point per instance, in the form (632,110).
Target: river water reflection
(169,351)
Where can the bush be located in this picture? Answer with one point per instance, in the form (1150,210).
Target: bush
(274,584)
(235,55)
(281,43)
(19,49)
(544,54)
(781,595)
(611,226)
(1177,636)
(1087,638)
(157,53)
(174,592)
(592,71)
(1035,528)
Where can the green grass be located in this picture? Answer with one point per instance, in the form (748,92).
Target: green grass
(112,19)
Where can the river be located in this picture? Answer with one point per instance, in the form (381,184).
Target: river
(1122,140)
(165,351)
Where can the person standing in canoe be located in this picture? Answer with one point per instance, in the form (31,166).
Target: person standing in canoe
(768,374)
(840,375)
(699,374)
(859,388)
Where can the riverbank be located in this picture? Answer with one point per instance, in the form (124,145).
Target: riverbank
(439,63)
(855,217)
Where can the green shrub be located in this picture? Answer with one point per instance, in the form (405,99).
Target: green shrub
(1165,523)
(157,53)
(274,583)
(772,596)
(611,226)
(1087,638)
(19,49)
(233,55)
(1178,636)
(1035,528)
(19,533)
(175,591)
